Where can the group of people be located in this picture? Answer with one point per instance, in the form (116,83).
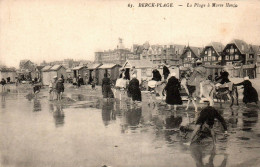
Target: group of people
(56,87)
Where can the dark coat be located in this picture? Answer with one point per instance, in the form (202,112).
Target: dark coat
(134,90)
(156,75)
(250,94)
(106,88)
(166,72)
(172,88)
(223,77)
(59,87)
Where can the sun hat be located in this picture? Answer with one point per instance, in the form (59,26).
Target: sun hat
(246,78)
(55,77)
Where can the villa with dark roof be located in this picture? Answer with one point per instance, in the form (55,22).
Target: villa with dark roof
(237,52)
(190,55)
(212,54)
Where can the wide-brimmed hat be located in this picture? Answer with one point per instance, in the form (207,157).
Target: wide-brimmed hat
(246,78)
(55,77)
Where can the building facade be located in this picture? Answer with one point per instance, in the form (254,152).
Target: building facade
(158,54)
(116,56)
(237,52)
(190,55)
(212,54)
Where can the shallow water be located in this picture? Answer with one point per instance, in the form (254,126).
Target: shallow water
(95,132)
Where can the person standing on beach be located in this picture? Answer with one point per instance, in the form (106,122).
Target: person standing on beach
(3,83)
(106,87)
(59,89)
(172,89)
(134,89)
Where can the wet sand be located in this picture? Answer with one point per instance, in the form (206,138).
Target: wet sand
(85,130)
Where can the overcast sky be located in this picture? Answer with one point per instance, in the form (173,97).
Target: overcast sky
(57,29)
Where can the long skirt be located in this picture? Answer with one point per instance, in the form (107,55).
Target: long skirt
(107,91)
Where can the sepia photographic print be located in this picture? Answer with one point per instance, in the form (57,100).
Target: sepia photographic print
(129,83)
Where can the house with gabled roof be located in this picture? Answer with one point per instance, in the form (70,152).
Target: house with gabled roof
(143,68)
(93,72)
(80,70)
(190,55)
(48,72)
(6,72)
(236,52)
(212,53)
(111,69)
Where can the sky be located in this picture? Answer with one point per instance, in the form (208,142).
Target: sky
(57,29)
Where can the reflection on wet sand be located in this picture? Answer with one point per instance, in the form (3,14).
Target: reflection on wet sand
(198,153)
(122,123)
(58,115)
(3,100)
(108,112)
(36,105)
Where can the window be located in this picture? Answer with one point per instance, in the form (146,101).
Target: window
(227,58)
(189,54)
(236,57)
(209,53)
(231,51)
(213,51)
(227,50)
(209,58)
(235,50)
(243,47)
(231,57)
(219,58)
(206,52)
(205,58)
(213,58)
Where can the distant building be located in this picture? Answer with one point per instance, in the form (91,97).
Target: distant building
(158,54)
(27,65)
(8,72)
(212,54)
(256,49)
(116,56)
(190,55)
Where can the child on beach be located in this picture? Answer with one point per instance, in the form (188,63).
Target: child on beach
(52,87)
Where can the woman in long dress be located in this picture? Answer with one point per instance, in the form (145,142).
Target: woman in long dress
(172,89)
(134,89)
(250,94)
(106,87)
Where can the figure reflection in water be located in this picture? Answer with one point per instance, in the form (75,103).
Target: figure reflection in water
(108,112)
(36,105)
(197,155)
(250,118)
(171,123)
(3,100)
(133,116)
(59,116)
